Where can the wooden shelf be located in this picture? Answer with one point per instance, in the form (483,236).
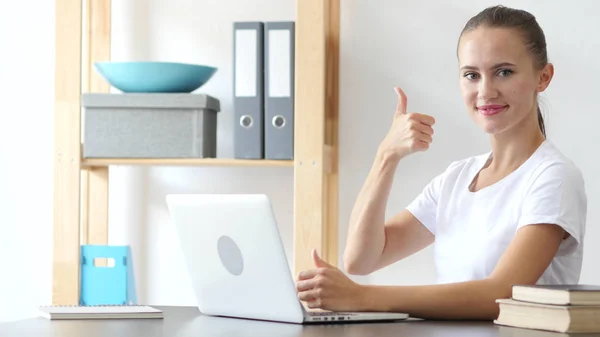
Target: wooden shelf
(81,185)
(102,162)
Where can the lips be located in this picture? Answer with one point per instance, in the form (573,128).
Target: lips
(491,109)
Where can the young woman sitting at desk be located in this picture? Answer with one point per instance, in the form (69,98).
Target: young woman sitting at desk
(515,215)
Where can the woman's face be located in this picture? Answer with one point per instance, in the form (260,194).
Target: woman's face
(498,78)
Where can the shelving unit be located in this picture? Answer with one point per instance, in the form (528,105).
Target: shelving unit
(81,185)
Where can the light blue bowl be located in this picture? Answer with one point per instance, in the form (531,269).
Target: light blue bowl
(155,77)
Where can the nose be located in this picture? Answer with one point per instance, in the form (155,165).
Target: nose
(487,89)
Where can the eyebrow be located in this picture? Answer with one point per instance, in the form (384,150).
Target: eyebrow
(495,66)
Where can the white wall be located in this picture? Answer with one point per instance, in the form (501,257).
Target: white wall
(392,43)
(26,135)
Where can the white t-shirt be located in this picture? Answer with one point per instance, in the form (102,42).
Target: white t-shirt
(473,229)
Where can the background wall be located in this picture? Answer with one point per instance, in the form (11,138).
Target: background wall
(26,146)
(392,43)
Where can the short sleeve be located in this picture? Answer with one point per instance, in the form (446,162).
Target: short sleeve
(557,196)
(424,206)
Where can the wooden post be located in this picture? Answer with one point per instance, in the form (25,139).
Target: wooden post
(94,191)
(315,156)
(81,194)
(67,155)
(332,52)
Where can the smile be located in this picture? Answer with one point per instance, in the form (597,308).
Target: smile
(490,110)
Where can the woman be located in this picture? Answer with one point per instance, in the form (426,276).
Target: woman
(515,215)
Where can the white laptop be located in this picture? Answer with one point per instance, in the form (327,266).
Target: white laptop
(237,262)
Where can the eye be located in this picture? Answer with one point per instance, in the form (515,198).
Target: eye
(470,75)
(504,72)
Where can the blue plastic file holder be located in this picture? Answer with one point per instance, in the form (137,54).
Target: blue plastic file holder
(112,284)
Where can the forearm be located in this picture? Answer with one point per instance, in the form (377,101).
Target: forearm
(366,235)
(465,300)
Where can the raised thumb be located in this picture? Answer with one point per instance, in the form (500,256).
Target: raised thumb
(401,106)
(320,263)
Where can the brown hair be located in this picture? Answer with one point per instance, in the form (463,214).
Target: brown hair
(526,24)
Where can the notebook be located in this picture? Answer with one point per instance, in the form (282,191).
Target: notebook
(99,312)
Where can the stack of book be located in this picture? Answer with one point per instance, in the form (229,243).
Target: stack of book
(559,308)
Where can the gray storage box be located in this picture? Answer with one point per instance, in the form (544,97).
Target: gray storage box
(162,125)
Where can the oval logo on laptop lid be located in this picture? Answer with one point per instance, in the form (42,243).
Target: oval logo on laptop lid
(230,255)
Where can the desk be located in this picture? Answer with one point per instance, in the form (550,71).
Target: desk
(188,322)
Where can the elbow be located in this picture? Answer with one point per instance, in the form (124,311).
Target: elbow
(497,289)
(353,268)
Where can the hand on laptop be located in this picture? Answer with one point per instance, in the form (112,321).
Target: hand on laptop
(326,287)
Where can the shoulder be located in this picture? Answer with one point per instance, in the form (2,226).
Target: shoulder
(552,167)
(555,191)
(555,194)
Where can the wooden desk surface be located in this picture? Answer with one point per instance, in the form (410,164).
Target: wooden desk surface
(187,321)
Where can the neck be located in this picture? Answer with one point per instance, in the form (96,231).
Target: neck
(512,147)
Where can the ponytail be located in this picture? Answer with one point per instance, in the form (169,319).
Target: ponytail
(541,121)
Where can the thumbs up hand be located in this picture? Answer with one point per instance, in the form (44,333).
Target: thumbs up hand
(319,263)
(409,133)
(326,287)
